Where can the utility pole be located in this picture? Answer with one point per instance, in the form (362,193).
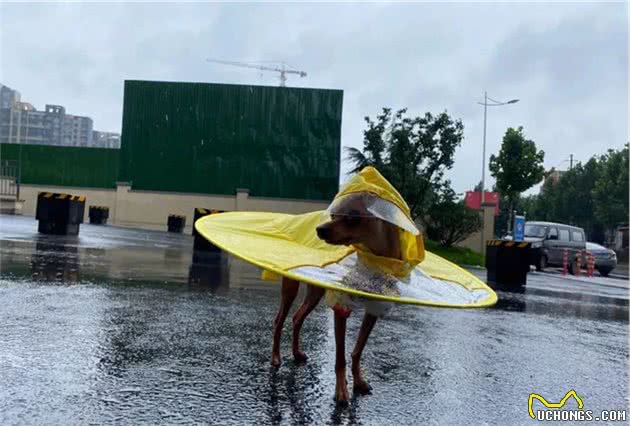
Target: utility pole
(571,162)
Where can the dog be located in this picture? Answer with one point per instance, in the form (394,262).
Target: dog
(351,224)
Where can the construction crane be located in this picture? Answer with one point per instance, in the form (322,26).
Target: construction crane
(282,69)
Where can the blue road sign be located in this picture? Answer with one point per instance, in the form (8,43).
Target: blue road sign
(519,228)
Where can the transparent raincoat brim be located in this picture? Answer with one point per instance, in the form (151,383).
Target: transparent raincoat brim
(287,245)
(366,204)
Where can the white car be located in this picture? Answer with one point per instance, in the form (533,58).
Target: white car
(605,258)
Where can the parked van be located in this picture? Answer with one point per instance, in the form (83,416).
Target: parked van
(549,241)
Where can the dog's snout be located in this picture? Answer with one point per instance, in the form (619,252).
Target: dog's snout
(323,232)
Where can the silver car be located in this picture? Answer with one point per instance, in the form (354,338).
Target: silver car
(605,258)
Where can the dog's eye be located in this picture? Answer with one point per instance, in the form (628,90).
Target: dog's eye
(352,220)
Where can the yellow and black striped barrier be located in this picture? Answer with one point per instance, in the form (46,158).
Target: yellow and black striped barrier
(200,243)
(59,213)
(516,244)
(61,196)
(199,212)
(507,263)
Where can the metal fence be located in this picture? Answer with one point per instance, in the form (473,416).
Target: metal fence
(10,178)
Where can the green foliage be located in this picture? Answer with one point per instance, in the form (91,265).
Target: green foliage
(610,194)
(518,166)
(449,221)
(458,255)
(412,153)
(593,195)
(568,200)
(528,205)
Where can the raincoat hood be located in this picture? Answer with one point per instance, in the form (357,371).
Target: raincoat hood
(371,181)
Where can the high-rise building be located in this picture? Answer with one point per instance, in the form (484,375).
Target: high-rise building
(20,122)
(8,96)
(77,131)
(105,139)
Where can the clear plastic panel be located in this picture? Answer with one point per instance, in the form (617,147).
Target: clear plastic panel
(365,204)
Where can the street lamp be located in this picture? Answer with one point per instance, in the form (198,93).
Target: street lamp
(485,115)
(483,160)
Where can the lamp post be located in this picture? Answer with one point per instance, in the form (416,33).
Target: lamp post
(483,160)
(485,119)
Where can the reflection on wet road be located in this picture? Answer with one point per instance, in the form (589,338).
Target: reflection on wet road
(120,326)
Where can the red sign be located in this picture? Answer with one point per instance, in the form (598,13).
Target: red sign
(473,200)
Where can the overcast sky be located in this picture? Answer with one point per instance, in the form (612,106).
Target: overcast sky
(566,62)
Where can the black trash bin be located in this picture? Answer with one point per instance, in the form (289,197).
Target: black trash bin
(98,215)
(59,214)
(200,243)
(176,223)
(507,263)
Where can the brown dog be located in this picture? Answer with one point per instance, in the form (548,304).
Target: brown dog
(353,226)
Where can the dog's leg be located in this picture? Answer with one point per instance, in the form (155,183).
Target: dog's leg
(313,296)
(359,384)
(287,296)
(341,387)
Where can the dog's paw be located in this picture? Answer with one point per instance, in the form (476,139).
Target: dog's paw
(342,398)
(300,357)
(362,387)
(275,360)
(341,393)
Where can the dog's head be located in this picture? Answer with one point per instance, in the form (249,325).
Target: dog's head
(371,216)
(352,223)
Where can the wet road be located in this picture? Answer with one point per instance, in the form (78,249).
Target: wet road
(118,326)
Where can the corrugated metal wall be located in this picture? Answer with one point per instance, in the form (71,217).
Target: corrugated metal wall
(65,166)
(214,138)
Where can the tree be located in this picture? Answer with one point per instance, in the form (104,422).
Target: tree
(528,206)
(412,153)
(610,192)
(574,199)
(450,221)
(523,205)
(502,219)
(592,195)
(517,167)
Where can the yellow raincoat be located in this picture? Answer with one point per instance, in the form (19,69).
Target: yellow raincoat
(288,245)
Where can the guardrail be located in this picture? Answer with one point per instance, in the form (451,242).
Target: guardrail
(10,178)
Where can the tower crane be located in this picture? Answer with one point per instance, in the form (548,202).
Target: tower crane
(282,69)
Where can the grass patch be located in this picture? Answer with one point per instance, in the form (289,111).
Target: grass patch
(458,255)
